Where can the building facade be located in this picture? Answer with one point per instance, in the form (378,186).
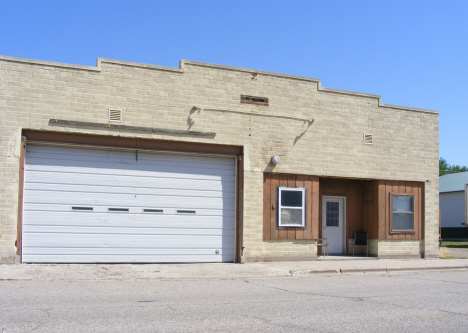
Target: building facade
(453,205)
(127,162)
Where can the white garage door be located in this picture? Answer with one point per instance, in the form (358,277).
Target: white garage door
(85,205)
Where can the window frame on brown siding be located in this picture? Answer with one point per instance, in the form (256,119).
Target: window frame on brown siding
(303,208)
(392,212)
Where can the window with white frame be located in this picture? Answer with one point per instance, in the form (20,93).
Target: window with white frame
(402,213)
(291,207)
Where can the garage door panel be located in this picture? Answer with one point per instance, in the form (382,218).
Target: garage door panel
(182,258)
(169,173)
(126,156)
(68,191)
(128,190)
(128,230)
(126,200)
(55,219)
(126,241)
(227,184)
(176,164)
(85,251)
(38,207)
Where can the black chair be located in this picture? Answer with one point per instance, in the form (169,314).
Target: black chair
(361,240)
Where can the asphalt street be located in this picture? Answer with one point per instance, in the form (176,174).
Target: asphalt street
(412,302)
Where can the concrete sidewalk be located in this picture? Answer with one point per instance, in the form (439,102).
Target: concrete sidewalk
(332,266)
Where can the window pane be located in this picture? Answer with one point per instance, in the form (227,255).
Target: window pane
(291,216)
(333,214)
(291,198)
(402,203)
(403,222)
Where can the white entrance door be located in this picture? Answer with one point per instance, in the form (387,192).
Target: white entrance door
(333,223)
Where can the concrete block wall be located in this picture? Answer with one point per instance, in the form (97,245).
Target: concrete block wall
(399,248)
(284,249)
(405,139)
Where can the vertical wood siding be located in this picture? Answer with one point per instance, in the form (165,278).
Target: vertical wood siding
(370,218)
(385,188)
(271,182)
(351,189)
(367,206)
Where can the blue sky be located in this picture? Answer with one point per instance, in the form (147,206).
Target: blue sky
(412,53)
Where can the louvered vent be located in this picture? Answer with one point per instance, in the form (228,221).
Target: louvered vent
(368,140)
(115,115)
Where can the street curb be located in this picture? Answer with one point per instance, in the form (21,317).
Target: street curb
(376,270)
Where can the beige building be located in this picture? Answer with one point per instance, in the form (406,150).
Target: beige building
(127,162)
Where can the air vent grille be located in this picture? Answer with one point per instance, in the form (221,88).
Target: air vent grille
(254,100)
(115,115)
(368,139)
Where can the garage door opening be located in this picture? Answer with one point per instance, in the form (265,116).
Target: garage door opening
(88,205)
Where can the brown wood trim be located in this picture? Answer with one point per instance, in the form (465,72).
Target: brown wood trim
(267,207)
(133,143)
(315,204)
(274,183)
(239,209)
(19,228)
(144,144)
(381,198)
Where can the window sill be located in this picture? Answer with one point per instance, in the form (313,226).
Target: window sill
(402,232)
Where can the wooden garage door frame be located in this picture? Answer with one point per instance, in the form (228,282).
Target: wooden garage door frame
(58,138)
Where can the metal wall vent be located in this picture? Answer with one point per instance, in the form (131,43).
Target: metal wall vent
(254,100)
(368,140)
(115,115)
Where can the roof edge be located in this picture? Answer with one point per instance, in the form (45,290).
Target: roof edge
(50,63)
(183,63)
(303,78)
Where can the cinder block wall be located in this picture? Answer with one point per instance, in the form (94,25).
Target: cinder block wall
(405,139)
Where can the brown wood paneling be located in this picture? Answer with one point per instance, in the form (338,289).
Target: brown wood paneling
(274,232)
(315,198)
(374,230)
(413,189)
(19,228)
(353,208)
(291,231)
(385,190)
(369,203)
(352,190)
(382,190)
(266,207)
(421,210)
(299,232)
(240,208)
(271,181)
(283,181)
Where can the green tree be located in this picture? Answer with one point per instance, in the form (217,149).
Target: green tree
(445,168)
